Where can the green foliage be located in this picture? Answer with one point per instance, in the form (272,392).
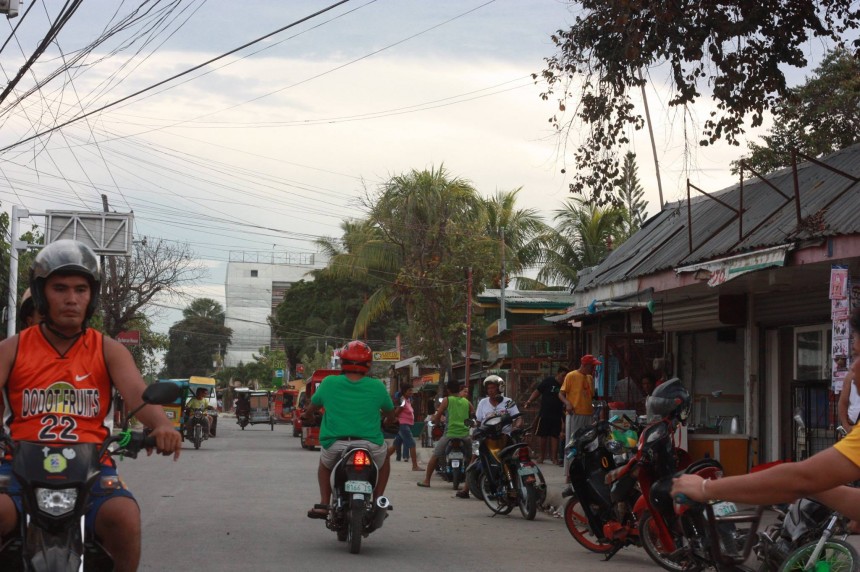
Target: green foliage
(584,234)
(322,313)
(737,49)
(631,196)
(317,360)
(25,260)
(819,117)
(147,354)
(196,339)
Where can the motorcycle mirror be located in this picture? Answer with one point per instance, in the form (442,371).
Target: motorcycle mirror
(156,394)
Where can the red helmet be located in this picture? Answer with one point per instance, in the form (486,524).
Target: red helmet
(356,356)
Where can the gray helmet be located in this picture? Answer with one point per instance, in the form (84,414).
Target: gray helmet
(497,380)
(65,257)
(669,399)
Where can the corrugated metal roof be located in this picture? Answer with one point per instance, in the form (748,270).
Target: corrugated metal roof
(829,204)
(560,299)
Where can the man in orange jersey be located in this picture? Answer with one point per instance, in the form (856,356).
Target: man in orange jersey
(62,357)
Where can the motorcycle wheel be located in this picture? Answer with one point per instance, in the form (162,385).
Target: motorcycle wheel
(527,499)
(577,525)
(649,535)
(355,522)
(456,477)
(473,477)
(836,555)
(198,436)
(498,506)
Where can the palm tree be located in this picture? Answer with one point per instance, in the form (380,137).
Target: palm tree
(427,228)
(523,231)
(206,308)
(584,234)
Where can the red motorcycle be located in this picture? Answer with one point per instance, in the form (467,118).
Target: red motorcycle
(627,508)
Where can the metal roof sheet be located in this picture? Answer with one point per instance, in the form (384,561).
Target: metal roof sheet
(556,299)
(829,206)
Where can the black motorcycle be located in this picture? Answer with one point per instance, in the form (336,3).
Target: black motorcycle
(454,463)
(509,477)
(56,480)
(197,431)
(352,513)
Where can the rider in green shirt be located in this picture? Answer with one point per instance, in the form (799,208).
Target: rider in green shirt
(459,410)
(197,402)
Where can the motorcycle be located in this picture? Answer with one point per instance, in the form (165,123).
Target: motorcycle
(353,514)
(56,480)
(599,517)
(508,478)
(455,461)
(197,432)
(242,419)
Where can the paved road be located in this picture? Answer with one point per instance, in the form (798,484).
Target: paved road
(240,502)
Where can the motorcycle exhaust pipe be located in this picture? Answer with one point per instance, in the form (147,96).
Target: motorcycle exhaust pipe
(383,505)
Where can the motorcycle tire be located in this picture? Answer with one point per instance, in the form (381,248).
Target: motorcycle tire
(837,554)
(355,523)
(198,436)
(473,478)
(527,499)
(456,477)
(498,506)
(577,525)
(649,536)
(342,533)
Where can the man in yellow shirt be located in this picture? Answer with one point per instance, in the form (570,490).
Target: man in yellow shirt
(576,394)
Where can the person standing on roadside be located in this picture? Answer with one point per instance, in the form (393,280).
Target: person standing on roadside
(577,392)
(406,415)
(550,414)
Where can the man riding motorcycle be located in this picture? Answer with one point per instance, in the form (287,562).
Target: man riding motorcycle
(352,403)
(58,380)
(198,402)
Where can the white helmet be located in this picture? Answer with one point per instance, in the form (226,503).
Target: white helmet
(497,380)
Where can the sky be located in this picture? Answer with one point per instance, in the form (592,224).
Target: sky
(271,147)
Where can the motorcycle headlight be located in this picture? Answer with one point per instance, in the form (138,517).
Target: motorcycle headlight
(56,502)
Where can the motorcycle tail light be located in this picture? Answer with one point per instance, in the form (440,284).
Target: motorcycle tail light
(523,453)
(110,483)
(360,460)
(56,502)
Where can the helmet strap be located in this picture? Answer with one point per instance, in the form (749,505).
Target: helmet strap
(59,334)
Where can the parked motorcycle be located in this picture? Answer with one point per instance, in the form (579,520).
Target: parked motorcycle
(196,430)
(56,480)
(599,516)
(655,461)
(353,514)
(509,477)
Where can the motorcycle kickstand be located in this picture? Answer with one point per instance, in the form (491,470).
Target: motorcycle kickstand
(616,546)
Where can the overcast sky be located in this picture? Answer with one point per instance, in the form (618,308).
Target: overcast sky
(269,148)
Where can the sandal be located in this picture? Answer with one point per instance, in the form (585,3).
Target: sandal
(319,511)
(462,494)
(421,484)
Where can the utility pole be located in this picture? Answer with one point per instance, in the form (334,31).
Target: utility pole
(468,324)
(16,247)
(110,287)
(503,323)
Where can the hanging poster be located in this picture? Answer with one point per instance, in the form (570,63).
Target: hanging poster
(838,282)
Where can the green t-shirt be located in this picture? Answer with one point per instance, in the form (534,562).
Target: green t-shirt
(195,403)
(351,408)
(458,412)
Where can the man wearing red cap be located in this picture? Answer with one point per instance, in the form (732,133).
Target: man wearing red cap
(576,393)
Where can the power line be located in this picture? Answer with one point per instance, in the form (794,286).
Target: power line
(186,72)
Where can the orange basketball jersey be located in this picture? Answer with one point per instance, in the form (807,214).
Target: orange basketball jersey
(59,398)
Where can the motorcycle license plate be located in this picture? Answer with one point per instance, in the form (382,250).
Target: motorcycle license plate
(455,463)
(358,487)
(456,455)
(725,508)
(524,471)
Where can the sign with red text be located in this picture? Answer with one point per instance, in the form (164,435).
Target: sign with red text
(129,338)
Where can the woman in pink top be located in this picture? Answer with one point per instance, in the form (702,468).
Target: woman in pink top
(406,416)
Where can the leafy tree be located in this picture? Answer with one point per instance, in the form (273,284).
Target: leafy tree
(430,230)
(25,260)
(147,354)
(738,49)
(195,340)
(156,267)
(584,234)
(522,231)
(632,198)
(317,360)
(819,117)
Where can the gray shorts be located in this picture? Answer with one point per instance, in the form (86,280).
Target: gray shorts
(439,451)
(329,456)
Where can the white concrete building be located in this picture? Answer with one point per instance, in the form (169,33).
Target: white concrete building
(255,285)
